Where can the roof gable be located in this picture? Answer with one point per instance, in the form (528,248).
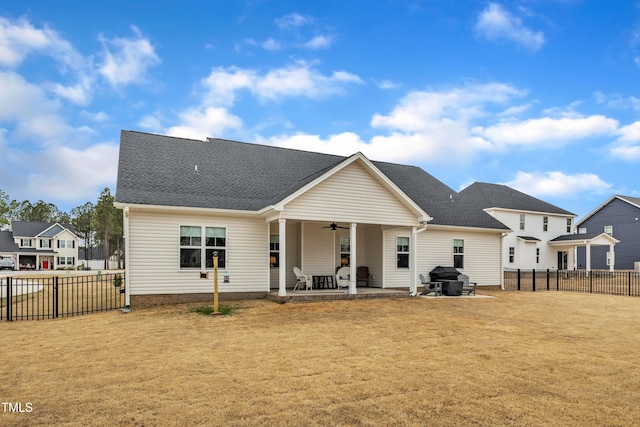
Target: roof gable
(34,229)
(500,196)
(633,201)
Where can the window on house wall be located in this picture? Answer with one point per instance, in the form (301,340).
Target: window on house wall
(608,229)
(582,230)
(521,221)
(569,225)
(609,258)
(545,223)
(45,243)
(66,244)
(274,250)
(25,243)
(537,255)
(512,254)
(402,252)
(345,250)
(190,246)
(68,260)
(458,253)
(193,247)
(216,241)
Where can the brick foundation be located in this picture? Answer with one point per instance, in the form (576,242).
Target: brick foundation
(164,299)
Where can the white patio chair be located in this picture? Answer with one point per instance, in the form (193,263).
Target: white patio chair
(342,277)
(305,280)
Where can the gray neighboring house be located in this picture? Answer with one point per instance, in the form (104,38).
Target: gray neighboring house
(39,245)
(266,210)
(543,233)
(619,217)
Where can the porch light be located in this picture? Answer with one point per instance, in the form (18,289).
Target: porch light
(344,261)
(272,260)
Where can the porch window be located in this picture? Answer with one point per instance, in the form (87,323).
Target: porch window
(458,253)
(512,254)
(345,251)
(402,248)
(522,221)
(193,246)
(274,250)
(545,223)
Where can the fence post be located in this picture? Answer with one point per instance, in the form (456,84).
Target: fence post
(547,279)
(9,299)
(533,282)
(591,283)
(518,279)
(55,297)
(629,281)
(557,280)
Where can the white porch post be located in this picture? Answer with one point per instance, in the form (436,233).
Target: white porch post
(413,261)
(588,251)
(282,239)
(353,260)
(612,257)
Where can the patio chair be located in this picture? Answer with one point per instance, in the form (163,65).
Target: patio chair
(305,280)
(342,277)
(362,276)
(435,287)
(468,287)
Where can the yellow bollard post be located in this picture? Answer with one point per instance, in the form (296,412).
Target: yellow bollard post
(215,285)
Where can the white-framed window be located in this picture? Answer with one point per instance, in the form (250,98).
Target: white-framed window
(569,224)
(193,247)
(68,244)
(545,223)
(66,260)
(45,243)
(402,252)
(522,217)
(458,253)
(25,243)
(582,230)
(345,250)
(274,250)
(512,254)
(609,230)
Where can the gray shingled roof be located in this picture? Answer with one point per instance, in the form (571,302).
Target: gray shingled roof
(571,237)
(500,196)
(32,229)
(161,170)
(6,242)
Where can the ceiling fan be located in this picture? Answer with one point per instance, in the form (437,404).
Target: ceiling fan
(333,226)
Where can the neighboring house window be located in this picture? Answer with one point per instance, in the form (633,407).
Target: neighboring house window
(62,244)
(521,221)
(274,250)
(193,247)
(66,260)
(512,254)
(402,252)
(545,223)
(345,251)
(45,243)
(458,253)
(25,243)
(609,230)
(537,255)
(582,230)
(568,225)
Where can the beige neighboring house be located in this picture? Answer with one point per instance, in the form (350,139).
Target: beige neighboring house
(40,245)
(266,210)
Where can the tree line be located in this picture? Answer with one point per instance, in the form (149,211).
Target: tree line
(98,225)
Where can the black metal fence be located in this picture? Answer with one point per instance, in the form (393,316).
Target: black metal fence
(36,298)
(594,281)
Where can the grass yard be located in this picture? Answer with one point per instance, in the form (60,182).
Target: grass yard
(535,359)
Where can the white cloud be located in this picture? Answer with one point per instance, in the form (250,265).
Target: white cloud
(387,84)
(627,146)
(197,123)
(495,23)
(557,183)
(127,60)
(319,42)
(548,131)
(271,44)
(293,20)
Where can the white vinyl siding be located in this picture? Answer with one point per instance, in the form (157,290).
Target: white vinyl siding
(154,253)
(351,195)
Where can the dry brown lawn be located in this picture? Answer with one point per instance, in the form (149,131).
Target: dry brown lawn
(544,358)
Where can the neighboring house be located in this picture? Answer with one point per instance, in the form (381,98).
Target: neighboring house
(619,217)
(266,210)
(542,237)
(94,259)
(39,245)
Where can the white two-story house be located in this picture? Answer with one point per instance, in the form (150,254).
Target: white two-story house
(535,225)
(40,245)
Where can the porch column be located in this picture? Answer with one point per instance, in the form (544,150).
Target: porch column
(612,259)
(353,260)
(413,261)
(282,239)
(588,252)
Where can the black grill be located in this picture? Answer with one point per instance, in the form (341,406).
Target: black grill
(449,277)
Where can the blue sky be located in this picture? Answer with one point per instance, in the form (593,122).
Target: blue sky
(540,95)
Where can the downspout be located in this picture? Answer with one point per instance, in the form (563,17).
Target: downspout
(502,260)
(413,290)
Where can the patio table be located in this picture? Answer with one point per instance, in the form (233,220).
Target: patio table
(323,281)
